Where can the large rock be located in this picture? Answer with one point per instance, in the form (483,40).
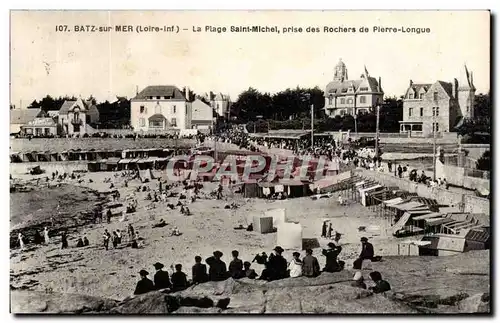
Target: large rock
(30,302)
(478,303)
(149,303)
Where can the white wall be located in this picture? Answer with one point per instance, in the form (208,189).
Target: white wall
(165,107)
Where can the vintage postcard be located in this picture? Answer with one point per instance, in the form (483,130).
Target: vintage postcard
(250,162)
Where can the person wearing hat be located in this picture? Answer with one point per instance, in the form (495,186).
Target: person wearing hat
(332,264)
(144,285)
(336,239)
(277,264)
(310,265)
(218,269)
(358,280)
(295,266)
(236,266)
(179,279)
(366,253)
(323,229)
(199,271)
(161,278)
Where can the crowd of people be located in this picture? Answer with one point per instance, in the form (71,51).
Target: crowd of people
(276,267)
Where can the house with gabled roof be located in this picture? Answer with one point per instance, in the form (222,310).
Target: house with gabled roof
(439,106)
(75,116)
(352,97)
(20,117)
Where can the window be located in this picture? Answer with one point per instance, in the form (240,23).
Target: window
(362,99)
(46,131)
(435,96)
(417,127)
(142,122)
(421,96)
(363,89)
(411,96)
(349,101)
(173,121)
(410,112)
(344,90)
(165,97)
(421,112)
(142,109)
(330,99)
(156,123)
(38,131)
(158,97)
(174,109)
(158,109)
(468,109)
(151,98)
(435,127)
(435,111)
(342,101)
(342,112)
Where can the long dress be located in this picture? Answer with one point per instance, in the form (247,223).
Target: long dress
(21,242)
(46,236)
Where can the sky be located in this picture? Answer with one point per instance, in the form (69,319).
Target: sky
(109,64)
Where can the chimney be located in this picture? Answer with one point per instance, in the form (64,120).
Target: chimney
(380,84)
(186,90)
(411,82)
(454,89)
(136,89)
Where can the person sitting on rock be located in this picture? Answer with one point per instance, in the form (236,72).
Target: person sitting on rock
(310,265)
(236,266)
(358,280)
(85,241)
(332,264)
(217,270)
(144,285)
(381,285)
(79,244)
(277,264)
(199,271)
(295,266)
(248,272)
(179,279)
(366,253)
(161,278)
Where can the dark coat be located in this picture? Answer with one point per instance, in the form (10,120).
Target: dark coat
(381,286)
(332,265)
(218,269)
(310,267)
(143,286)
(367,251)
(323,230)
(236,269)
(179,281)
(277,267)
(199,273)
(359,284)
(162,280)
(250,273)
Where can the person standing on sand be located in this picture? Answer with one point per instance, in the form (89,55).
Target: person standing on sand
(330,230)
(115,240)
(119,234)
(46,235)
(106,236)
(21,242)
(323,229)
(64,240)
(109,215)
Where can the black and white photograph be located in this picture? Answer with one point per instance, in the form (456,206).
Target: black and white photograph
(209,162)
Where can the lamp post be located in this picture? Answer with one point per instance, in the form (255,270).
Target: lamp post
(434,145)
(377,132)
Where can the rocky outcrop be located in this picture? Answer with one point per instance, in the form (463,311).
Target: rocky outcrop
(419,285)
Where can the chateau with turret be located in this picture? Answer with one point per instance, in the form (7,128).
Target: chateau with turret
(352,97)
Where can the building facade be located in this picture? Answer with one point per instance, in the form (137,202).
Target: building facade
(40,127)
(201,116)
(351,97)
(438,106)
(20,117)
(75,116)
(159,108)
